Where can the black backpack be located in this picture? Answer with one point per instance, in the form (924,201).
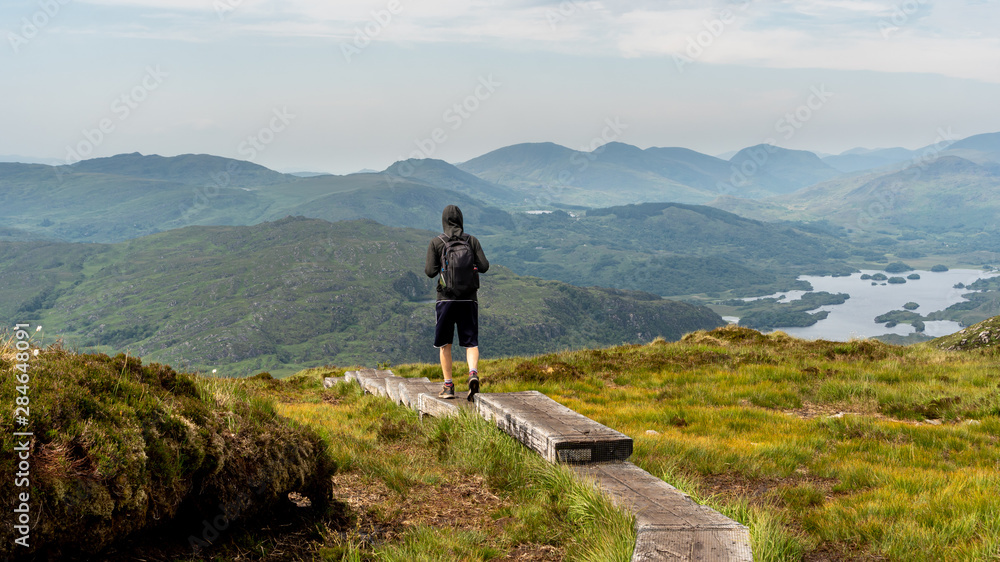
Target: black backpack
(458,266)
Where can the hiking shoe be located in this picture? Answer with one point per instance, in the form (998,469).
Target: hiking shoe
(473,384)
(448,391)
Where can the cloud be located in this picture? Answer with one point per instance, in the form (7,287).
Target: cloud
(168,5)
(823,34)
(955,39)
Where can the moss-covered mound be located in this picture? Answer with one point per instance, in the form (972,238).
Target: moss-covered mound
(984,336)
(121,447)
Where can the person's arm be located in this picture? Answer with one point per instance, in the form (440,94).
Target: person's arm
(432,265)
(482,263)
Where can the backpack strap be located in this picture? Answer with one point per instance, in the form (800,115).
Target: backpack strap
(441,256)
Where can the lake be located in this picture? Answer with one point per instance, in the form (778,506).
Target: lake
(856,317)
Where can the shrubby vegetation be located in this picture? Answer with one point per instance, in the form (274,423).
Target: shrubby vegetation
(768,314)
(979,306)
(121,447)
(897,267)
(897,316)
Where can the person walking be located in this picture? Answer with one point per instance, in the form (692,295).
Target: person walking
(457,259)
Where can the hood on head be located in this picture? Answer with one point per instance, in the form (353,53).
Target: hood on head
(451,221)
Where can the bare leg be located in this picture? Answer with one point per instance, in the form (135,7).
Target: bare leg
(472,357)
(446,362)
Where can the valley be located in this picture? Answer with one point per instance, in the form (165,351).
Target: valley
(166,256)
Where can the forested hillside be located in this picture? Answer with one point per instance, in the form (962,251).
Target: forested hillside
(303,292)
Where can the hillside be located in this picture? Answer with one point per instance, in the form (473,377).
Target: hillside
(17,235)
(386,199)
(128,196)
(189,169)
(613,174)
(101,207)
(949,194)
(669,249)
(983,337)
(617,173)
(302,292)
(983,149)
(941,206)
(443,175)
(33,274)
(861,159)
(773,170)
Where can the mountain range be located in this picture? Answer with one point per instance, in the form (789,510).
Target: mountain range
(614,217)
(942,204)
(121,197)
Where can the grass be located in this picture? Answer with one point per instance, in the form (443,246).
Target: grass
(826,450)
(500,497)
(410,489)
(120,448)
(856,450)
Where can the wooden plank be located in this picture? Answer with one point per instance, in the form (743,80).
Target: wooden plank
(330,382)
(654,502)
(374,386)
(410,388)
(392,387)
(365,374)
(364,378)
(670,525)
(373,381)
(554,431)
(719,545)
(433,406)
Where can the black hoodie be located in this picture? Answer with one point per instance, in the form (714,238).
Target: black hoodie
(452,223)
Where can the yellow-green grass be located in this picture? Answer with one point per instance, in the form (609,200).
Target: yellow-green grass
(194,436)
(817,446)
(387,445)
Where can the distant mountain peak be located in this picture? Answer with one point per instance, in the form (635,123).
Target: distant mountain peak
(986,142)
(402,165)
(774,149)
(950,165)
(615,145)
(786,170)
(192,169)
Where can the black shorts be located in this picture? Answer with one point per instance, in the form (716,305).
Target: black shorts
(465,315)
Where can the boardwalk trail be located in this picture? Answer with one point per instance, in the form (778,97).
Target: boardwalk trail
(670,526)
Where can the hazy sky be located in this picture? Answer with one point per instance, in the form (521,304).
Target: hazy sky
(342,85)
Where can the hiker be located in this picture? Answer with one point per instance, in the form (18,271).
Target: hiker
(458,258)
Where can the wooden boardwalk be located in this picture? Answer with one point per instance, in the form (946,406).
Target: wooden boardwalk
(669,525)
(552,430)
